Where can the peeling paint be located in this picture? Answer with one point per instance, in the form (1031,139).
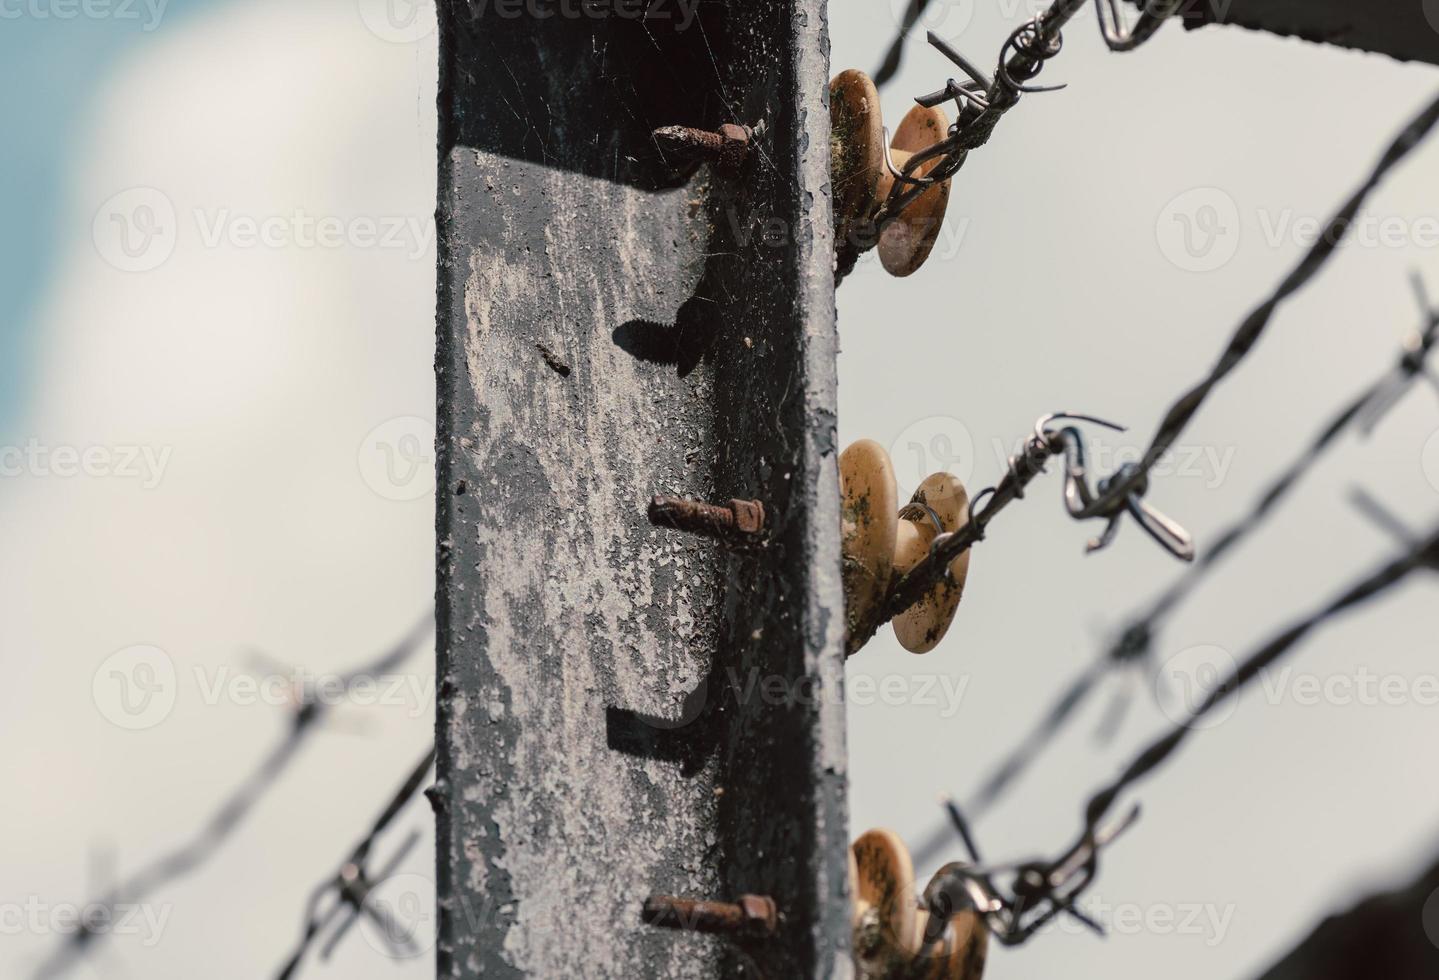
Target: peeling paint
(575,638)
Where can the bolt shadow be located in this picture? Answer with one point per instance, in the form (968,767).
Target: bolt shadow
(688,341)
(688,740)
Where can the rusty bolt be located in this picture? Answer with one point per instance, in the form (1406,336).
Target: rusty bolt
(729,147)
(752,915)
(737,521)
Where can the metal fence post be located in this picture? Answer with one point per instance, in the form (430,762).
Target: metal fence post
(629,710)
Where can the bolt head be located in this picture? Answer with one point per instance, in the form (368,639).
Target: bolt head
(735,147)
(760,913)
(748,516)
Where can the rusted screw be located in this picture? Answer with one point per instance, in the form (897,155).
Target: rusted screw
(729,147)
(738,521)
(752,915)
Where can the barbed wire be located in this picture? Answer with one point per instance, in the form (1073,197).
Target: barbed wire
(1152,16)
(1359,411)
(1183,411)
(1043,889)
(982,101)
(195,852)
(980,104)
(1120,492)
(1423,555)
(1032,44)
(889,67)
(1370,506)
(1022,468)
(352,884)
(1027,50)
(1136,642)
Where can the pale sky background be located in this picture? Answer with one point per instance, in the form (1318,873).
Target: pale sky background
(267,380)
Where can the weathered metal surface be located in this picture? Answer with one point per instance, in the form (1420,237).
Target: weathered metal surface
(1404,29)
(628,710)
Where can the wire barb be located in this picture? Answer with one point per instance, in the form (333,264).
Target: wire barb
(352,885)
(1045,442)
(1080,502)
(1135,643)
(1037,891)
(980,102)
(231,813)
(1252,329)
(1370,507)
(1151,18)
(1041,891)
(1115,493)
(1414,364)
(1424,554)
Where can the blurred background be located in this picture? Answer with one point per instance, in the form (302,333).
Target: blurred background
(216,414)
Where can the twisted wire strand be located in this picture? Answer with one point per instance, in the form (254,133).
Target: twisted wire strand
(1054,886)
(1136,641)
(192,855)
(1253,327)
(1423,555)
(354,867)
